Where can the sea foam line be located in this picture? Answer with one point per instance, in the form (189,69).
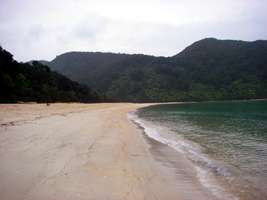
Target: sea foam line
(204,164)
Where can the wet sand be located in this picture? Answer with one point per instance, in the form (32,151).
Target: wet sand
(87,151)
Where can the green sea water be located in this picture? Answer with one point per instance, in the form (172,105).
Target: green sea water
(232,139)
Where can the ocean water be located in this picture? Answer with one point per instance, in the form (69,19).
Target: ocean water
(226,141)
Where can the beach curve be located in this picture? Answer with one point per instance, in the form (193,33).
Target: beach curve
(87,151)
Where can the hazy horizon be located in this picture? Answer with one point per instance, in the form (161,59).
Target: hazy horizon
(35,29)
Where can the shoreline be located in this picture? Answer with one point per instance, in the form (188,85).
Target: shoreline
(206,180)
(181,167)
(219,176)
(87,151)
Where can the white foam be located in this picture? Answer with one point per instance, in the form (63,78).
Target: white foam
(207,180)
(204,165)
(152,131)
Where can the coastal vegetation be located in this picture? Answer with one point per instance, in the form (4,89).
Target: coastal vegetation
(36,82)
(209,69)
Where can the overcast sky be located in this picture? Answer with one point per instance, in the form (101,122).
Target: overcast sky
(42,29)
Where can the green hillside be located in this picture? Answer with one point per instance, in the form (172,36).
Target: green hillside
(209,69)
(36,82)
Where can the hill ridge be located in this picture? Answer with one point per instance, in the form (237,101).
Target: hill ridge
(209,69)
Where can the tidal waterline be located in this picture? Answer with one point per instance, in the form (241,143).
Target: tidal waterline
(227,139)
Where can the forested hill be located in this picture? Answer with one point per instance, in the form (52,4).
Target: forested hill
(209,69)
(36,82)
(95,69)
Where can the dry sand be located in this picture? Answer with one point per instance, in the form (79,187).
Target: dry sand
(90,152)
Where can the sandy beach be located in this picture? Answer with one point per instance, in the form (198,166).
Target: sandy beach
(88,152)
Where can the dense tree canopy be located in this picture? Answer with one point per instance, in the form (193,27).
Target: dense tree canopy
(36,82)
(209,69)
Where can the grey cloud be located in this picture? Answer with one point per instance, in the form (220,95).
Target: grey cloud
(45,29)
(90,26)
